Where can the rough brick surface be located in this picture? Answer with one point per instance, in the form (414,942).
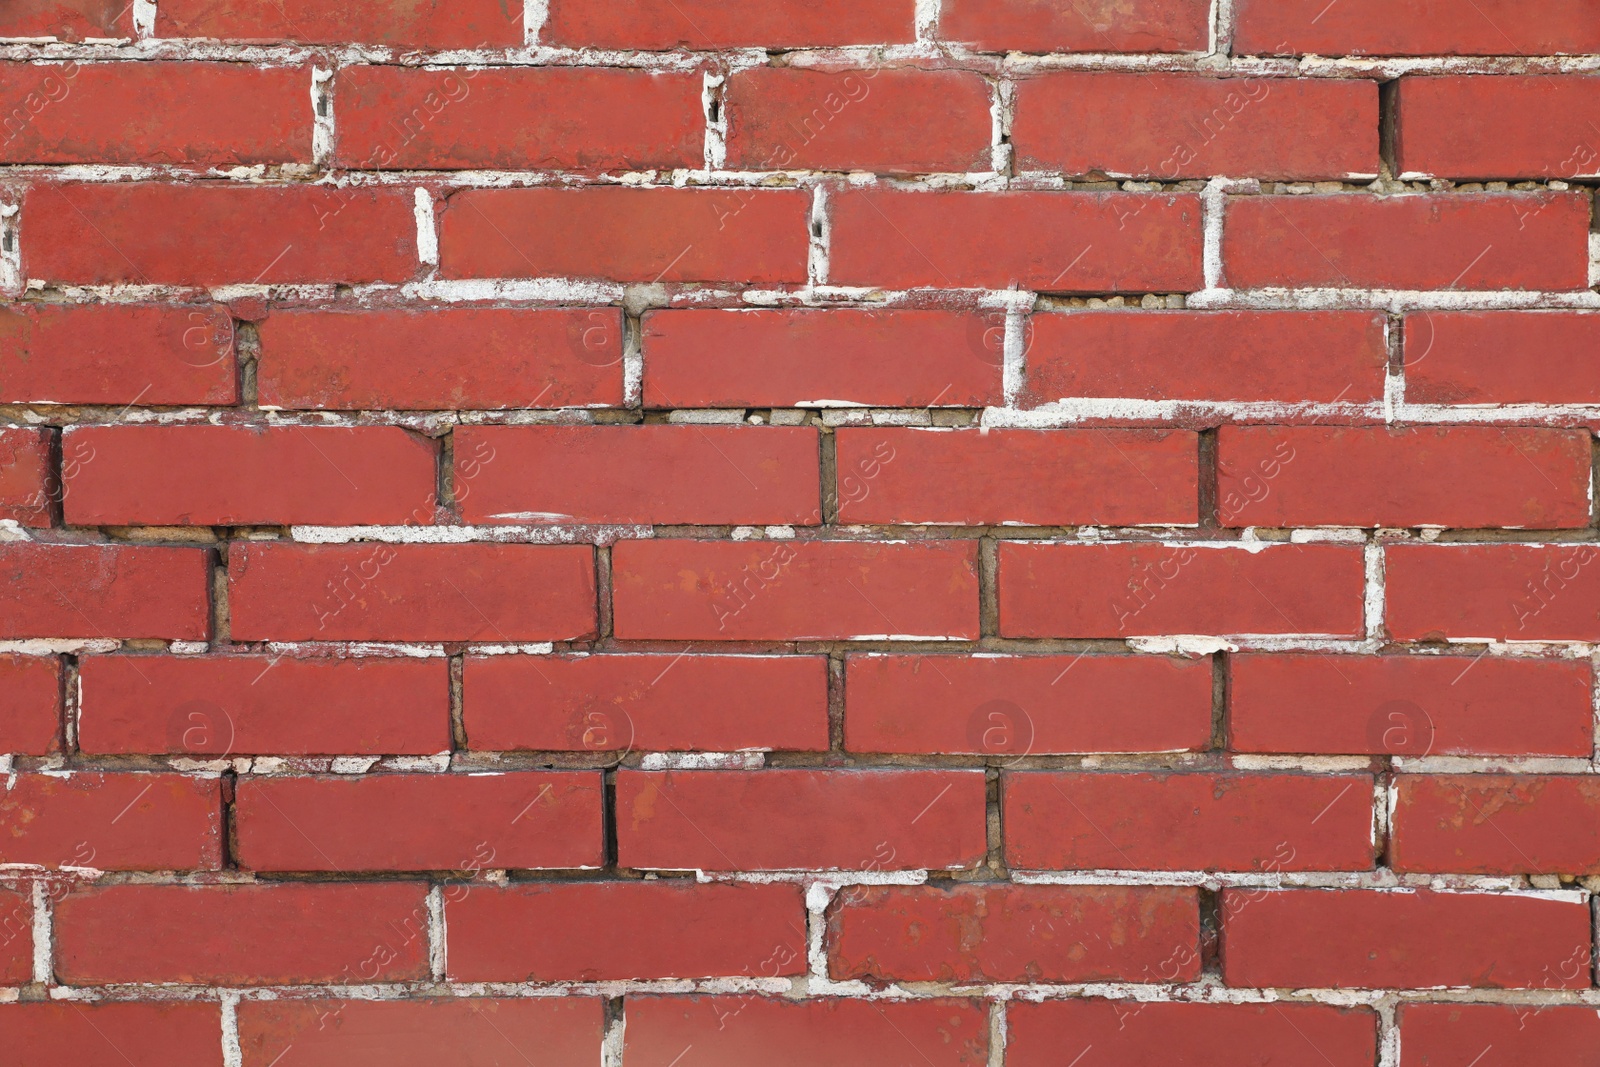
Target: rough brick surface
(116,822)
(1502,357)
(30,702)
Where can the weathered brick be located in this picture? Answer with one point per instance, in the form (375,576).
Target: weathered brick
(1496,824)
(407,24)
(1502,357)
(67,20)
(1086,26)
(115,822)
(172,1033)
(1433,1035)
(1413,27)
(1533,126)
(1498,592)
(103,591)
(30,704)
(26,482)
(659,25)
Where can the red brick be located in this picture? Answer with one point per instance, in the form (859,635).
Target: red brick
(149,233)
(1118,590)
(1178,822)
(1502,357)
(891,358)
(1410,705)
(1290,356)
(249,475)
(1414,27)
(1021,705)
(116,822)
(659,25)
(1501,1035)
(30,704)
(170,1033)
(236,935)
(1082,26)
(1053,241)
(903,121)
(16,942)
(1410,241)
(620,234)
(398,822)
(788,590)
(437,358)
(712,1031)
(800,820)
(1419,476)
(574,118)
(463,1032)
(104,591)
(610,931)
(1139,1033)
(1496,824)
(1172,126)
(1507,592)
(1502,127)
(660,703)
(688,475)
(396,23)
(222,114)
(263,705)
(116,354)
(1408,939)
(25,476)
(68,20)
(1015,933)
(970,477)
(411,592)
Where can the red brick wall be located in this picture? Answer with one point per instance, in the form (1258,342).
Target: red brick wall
(683,533)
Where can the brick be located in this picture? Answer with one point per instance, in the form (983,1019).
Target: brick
(67,20)
(411,592)
(705,1031)
(263,705)
(1496,824)
(903,121)
(115,822)
(642,235)
(1138,1033)
(26,481)
(1026,705)
(149,233)
(1502,357)
(1413,27)
(1015,933)
(1174,126)
(660,703)
(1288,356)
(397,822)
(1178,822)
(1120,590)
(104,591)
(1087,26)
(518,118)
(1400,938)
(1054,241)
(16,942)
(171,1033)
(760,359)
(800,820)
(969,477)
(1409,241)
(1434,1035)
(1506,127)
(239,935)
(1419,476)
(116,354)
(221,114)
(248,475)
(464,1032)
(1410,705)
(439,358)
(30,704)
(612,931)
(1506,592)
(666,475)
(787,590)
(659,25)
(426,24)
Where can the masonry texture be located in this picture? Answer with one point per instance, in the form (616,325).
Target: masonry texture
(888,533)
